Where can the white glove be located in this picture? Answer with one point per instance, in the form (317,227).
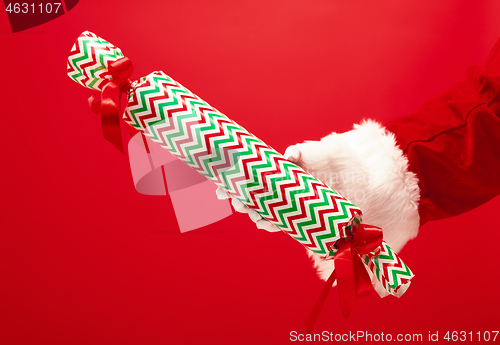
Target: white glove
(260,222)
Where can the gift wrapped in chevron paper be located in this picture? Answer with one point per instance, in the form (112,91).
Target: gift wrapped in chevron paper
(299,204)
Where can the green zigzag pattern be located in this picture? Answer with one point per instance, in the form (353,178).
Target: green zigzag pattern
(81,54)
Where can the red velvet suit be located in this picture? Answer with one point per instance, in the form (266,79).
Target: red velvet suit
(453,143)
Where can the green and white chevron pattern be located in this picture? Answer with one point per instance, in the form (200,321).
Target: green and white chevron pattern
(88,60)
(389,269)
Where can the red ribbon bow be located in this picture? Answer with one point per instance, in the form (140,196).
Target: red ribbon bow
(352,278)
(107,102)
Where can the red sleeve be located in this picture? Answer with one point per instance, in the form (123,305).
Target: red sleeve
(453,143)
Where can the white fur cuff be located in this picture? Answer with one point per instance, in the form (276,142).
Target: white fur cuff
(367,167)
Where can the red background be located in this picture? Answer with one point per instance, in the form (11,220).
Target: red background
(85,259)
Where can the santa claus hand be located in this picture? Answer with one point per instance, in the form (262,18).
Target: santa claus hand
(292,153)
(260,222)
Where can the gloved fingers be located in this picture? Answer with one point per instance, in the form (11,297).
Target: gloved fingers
(222,194)
(260,222)
(266,225)
(239,206)
(254,216)
(293,154)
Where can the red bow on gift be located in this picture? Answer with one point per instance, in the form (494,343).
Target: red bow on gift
(352,278)
(107,102)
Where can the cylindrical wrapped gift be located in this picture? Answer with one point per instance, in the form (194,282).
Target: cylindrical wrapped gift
(234,159)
